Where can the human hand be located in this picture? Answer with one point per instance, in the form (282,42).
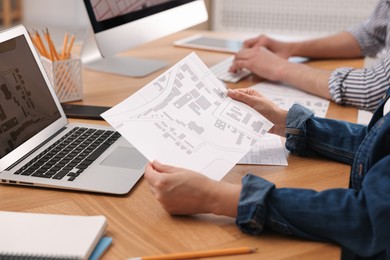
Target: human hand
(181,191)
(280,48)
(264,106)
(259,61)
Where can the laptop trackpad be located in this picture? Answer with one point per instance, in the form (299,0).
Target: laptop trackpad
(125,157)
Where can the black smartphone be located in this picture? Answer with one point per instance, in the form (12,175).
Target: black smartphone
(84,111)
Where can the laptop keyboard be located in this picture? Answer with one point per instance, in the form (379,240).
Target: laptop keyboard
(71,155)
(221,71)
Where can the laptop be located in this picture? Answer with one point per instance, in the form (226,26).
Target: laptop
(39,147)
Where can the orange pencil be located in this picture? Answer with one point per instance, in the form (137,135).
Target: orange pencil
(199,254)
(67,54)
(36,44)
(40,43)
(50,49)
(53,52)
(64,46)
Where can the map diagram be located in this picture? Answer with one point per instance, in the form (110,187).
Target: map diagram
(269,150)
(106,9)
(18,115)
(185,119)
(285,96)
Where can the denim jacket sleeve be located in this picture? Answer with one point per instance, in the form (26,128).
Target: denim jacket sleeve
(355,219)
(308,135)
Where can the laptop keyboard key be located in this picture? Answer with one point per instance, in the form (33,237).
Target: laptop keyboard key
(75,151)
(60,175)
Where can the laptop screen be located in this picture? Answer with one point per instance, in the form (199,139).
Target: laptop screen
(26,104)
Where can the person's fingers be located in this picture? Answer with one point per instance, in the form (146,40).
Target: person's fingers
(249,91)
(261,40)
(239,65)
(242,59)
(160,167)
(235,67)
(243,97)
(243,54)
(150,173)
(250,42)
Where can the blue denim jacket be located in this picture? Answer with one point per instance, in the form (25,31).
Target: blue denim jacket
(357,218)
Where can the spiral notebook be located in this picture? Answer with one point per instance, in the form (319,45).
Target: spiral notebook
(49,236)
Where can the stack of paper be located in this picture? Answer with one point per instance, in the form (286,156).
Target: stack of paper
(52,236)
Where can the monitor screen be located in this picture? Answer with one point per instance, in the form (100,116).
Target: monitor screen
(105,10)
(119,25)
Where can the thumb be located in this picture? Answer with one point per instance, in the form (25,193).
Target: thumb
(162,168)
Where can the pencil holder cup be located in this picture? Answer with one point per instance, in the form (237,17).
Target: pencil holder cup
(65,76)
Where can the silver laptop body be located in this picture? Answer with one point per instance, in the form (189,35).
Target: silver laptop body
(32,119)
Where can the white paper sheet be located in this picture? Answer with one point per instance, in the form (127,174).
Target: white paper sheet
(285,96)
(269,150)
(364,117)
(184,118)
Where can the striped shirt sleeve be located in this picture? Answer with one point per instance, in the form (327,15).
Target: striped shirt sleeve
(365,88)
(371,34)
(361,88)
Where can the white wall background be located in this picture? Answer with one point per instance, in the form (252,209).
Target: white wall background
(61,16)
(65,13)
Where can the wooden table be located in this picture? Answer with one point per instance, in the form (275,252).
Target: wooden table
(138,224)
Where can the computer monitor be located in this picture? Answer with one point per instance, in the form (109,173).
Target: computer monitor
(118,25)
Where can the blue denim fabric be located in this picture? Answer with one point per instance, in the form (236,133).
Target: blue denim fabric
(357,218)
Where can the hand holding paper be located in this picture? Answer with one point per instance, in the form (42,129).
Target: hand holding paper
(184,118)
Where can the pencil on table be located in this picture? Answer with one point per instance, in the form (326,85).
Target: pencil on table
(199,254)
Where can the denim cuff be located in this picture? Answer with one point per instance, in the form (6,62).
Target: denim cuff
(296,128)
(297,115)
(252,206)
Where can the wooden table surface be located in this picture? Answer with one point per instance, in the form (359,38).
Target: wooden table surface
(138,224)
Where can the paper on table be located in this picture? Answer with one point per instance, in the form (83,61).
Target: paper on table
(184,118)
(49,235)
(364,117)
(285,96)
(269,150)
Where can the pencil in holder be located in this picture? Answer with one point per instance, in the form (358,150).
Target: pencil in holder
(65,76)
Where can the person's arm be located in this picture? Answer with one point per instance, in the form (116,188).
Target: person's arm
(306,134)
(371,35)
(354,219)
(341,45)
(365,39)
(361,88)
(272,67)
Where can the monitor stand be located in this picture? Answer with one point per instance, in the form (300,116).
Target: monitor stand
(121,65)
